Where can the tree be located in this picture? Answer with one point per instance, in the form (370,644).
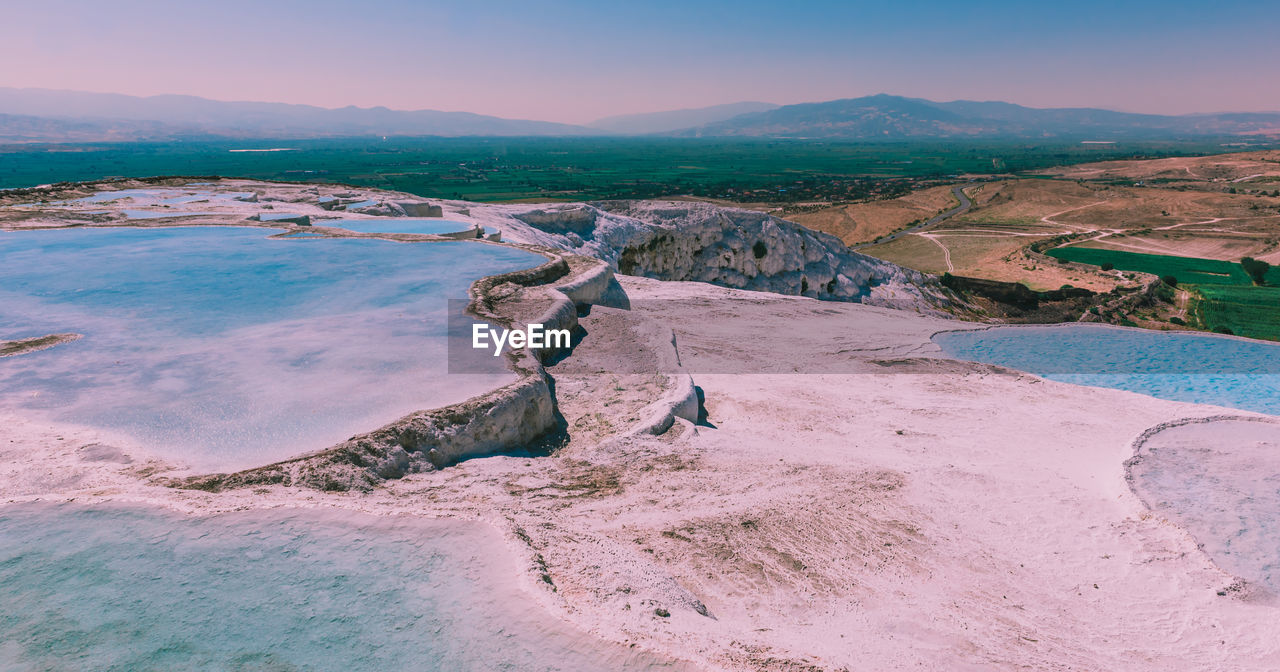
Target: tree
(1108,266)
(1169,280)
(1257,270)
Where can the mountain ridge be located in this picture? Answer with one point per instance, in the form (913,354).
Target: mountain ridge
(48,115)
(185,115)
(884,116)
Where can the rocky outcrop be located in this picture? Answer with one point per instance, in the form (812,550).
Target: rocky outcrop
(24,345)
(513,416)
(742,249)
(350,202)
(296,220)
(1013,293)
(420,209)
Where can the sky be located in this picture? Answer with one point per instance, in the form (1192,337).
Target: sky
(575,61)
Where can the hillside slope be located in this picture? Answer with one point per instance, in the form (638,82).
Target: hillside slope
(888,117)
(177,116)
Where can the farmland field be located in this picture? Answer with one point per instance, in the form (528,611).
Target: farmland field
(1224,296)
(1188,270)
(1246,311)
(510,169)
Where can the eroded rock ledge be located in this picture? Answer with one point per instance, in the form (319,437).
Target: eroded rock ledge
(25,345)
(521,414)
(732,247)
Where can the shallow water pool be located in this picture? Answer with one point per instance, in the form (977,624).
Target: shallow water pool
(160,214)
(225,349)
(424,226)
(1180,366)
(107,196)
(115,588)
(1221,482)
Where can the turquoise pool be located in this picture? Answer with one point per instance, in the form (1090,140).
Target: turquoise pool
(1181,366)
(159,214)
(112,588)
(225,349)
(107,196)
(425,226)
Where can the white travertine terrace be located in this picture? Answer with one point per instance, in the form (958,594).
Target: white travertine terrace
(864,503)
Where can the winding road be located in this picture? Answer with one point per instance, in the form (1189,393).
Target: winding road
(957,191)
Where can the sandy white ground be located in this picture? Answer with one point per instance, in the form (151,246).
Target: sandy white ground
(934,515)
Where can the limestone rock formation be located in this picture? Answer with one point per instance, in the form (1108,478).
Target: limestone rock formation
(743,249)
(420,209)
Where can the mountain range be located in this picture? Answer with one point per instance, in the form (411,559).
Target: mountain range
(42,115)
(168,117)
(897,118)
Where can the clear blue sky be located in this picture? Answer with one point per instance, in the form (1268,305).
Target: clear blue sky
(574,61)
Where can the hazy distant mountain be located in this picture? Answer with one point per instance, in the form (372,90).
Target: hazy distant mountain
(896,118)
(674,120)
(18,128)
(42,115)
(118,115)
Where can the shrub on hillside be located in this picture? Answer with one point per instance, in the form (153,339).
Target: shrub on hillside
(1169,280)
(1257,270)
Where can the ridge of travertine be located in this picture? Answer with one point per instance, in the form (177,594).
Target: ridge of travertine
(731,247)
(518,415)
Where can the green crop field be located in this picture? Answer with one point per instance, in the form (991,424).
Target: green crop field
(1188,270)
(1225,297)
(507,169)
(1246,311)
